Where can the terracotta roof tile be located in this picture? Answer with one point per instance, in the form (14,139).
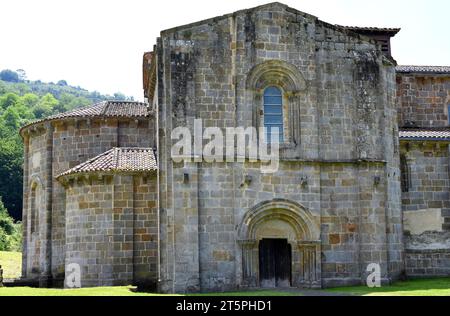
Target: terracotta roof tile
(372,29)
(102,109)
(425,134)
(118,159)
(423,69)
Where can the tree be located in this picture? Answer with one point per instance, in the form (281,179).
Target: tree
(8,100)
(10,232)
(10,119)
(30,100)
(45,106)
(62,83)
(11,172)
(9,75)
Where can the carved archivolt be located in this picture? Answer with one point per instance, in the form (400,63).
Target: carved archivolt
(276,72)
(303,223)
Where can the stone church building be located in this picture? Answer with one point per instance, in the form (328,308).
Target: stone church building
(363,175)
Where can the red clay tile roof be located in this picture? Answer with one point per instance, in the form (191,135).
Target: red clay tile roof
(423,69)
(103,109)
(119,160)
(425,134)
(372,29)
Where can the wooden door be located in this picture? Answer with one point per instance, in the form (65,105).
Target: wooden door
(275,263)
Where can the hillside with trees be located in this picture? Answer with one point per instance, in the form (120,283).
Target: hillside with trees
(22,101)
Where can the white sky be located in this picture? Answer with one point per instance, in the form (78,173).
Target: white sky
(98,44)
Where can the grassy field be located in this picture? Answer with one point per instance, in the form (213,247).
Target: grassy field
(11,263)
(419,287)
(119,291)
(428,287)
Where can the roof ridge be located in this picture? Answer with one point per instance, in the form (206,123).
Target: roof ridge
(135,148)
(105,108)
(116,157)
(369,28)
(124,101)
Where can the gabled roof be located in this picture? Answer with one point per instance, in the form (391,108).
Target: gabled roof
(118,160)
(423,69)
(228,15)
(440,134)
(103,109)
(355,29)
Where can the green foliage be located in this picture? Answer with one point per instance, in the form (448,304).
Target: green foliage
(9,99)
(10,232)
(22,101)
(30,100)
(45,106)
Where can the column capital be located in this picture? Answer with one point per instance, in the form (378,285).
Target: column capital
(247,242)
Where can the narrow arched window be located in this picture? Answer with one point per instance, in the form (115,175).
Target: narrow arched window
(405,174)
(448,114)
(273,113)
(34,210)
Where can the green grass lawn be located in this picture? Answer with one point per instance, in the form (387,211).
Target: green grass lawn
(11,263)
(118,291)
(418,287)
(428,287)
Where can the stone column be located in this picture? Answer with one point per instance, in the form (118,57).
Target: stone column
(250,262)
(186,223)
(310,264)
(46,262)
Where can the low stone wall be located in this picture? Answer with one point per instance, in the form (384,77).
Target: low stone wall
(427,262)
(427,254)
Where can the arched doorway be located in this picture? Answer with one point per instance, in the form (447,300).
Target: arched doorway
(275,263)
(280,246)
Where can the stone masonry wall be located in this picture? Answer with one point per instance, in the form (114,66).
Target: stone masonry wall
(428,254)
(74,143)
(90,231)
(423,100)
(428,262)
(109,234)
(340,110)
(33,262)
(145,231)
(428,180)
